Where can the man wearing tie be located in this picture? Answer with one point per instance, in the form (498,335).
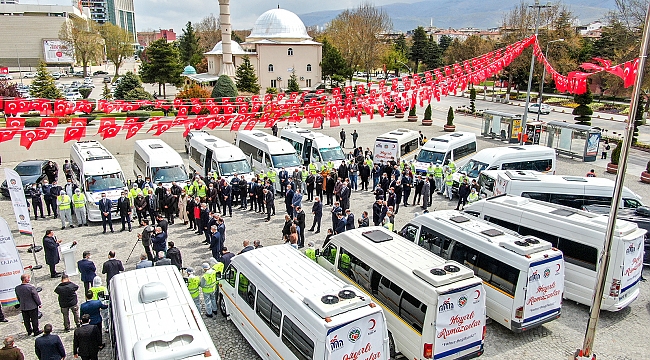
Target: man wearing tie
(105,206)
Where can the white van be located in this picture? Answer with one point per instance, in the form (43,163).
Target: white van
(523,275)
(155,159)
(267,152)
(580,236)
(435,308)
(153,316)
(211,154)
(571,191)
(294,309)
(528,157)
(314,147)
(396,145)
(439,150)
(97,171)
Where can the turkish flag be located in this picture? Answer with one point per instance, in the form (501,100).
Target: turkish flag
(131,107)
(317,122)
(161,126)
(108,108)
(165,106)
(196,108)
(182,111)
(50,123)
(11,107)
(78,122)
(630,69)
(74,133)
(158,104)
(43,133)
(178,102)
(6,135)
(251,124)
(111,131)
(130,120)
(15,123)
(235,126)
(27,138)
(106,123)
(43,107)
(23,105)
(189,125)
(133,129)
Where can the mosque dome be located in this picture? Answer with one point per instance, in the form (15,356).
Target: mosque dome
(189,70)
(279,24)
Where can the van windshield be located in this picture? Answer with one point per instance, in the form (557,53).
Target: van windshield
(428,156)
(230,168)
(168,174)
(331,154)
(286,160)
(96,183)
(473,168)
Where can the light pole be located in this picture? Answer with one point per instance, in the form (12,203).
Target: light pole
(530,75)
(408,67)
(541,84)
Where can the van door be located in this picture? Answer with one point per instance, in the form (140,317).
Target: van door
(327,258)
(306,151)
(206,162)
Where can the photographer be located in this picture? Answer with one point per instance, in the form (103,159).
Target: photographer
(145,237)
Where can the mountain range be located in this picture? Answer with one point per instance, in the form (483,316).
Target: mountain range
(482,14)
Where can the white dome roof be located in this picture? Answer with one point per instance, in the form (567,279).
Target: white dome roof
(234,46)
(279,24)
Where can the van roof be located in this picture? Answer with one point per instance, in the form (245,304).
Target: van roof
(298,281)
(398,258)
(266,141)
(400,134)
(92,150)
(536,208)
(444,142)
(160,153)
(223,151)
(321,140)
(488,154)
(145,299)
(94,158)
(488,235)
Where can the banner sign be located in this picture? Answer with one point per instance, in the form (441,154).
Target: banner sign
(11,268)
(632,263)
(56,51)
(545,288)
(359,339)
(17,193)
(460,321)
(385,150)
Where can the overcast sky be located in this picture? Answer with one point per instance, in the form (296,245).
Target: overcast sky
(165,14)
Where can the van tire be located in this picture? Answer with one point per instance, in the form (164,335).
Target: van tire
(222,306)
(391,347)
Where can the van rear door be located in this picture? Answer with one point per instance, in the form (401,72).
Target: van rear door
(359,339)
(632,267)
(544,290)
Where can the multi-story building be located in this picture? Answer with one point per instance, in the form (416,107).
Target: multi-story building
(147,37)
(117,12)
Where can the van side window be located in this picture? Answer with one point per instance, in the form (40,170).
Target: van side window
(195,155)
(409,232)
(215,167)
(269,313)
(355,269)
(433,240)
(230,275)
(250,150)
(463,150)
(490,270)
(246,290)
(296,340)
(409,146)
(315,155)
(536,165)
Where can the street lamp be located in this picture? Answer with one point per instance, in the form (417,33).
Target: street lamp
(532,67)
(541,85)
(408,67)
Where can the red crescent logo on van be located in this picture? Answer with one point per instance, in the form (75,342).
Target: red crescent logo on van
(373,322)
(478,294)
(558,267)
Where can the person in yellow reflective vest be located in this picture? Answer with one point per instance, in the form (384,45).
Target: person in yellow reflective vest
(310,251)
(208,285)
(452,166)
(189,189)
(369,163)
(201,190)
(387,224)
(473,196)
(242,287)
(133,193)
(313,169)
(330,165)
(431,170)
(193,286)
(344,264)
(218,268)
(79,201)
(449,182)
(63,202)
(100,292)
(437,177)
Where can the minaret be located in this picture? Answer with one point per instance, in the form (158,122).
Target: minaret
(227,67)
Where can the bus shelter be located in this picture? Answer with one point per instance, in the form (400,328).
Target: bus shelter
(501,126)
(573,140)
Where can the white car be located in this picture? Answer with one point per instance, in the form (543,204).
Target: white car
(73,96)
(6,77)
(535,108)
(29,75)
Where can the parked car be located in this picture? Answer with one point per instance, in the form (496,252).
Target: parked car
(100,72)
(29,75)
(6,77)
(78,73)
(73,96)
(107,79)
(30,171)
(57,75)
(535,108)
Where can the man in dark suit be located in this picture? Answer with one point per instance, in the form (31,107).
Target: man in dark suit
(124,208)
(167,204)
(87,269)
(288,200)
(216,243)
(340,224)
(227,193)
(87,340)
(283,175)
(49,346)
(345,196)
(29,304)
(51,246)
(269,202)
(159,241)
(111,267)
(317,210)
(105,206)
(300,219)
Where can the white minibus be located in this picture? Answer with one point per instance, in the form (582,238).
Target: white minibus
(523,275)
(97,171)
(211,154)
(267,152)
(580,236)
(435,308)
(153,316)
(288,307)
(526,157)
(396,145)
(571,191)
(155,159)
(439,150)
(313,147)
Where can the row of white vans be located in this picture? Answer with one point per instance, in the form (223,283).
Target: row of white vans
(372,293)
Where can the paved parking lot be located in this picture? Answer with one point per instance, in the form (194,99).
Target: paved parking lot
(620,336)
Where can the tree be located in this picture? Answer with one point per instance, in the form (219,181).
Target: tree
(427,113)
(161,64)
(333,62)
(616,153)
(224,88)
(128,82)
(138,93)
(638,119)
(194,91)
(450,116)
(583,111)
(85,92)
(393,59)
(433,57)
(400,45)
(43,84)
(208,32)
(292,84)
(472,47)
(445,41)
(472,100)
(188,46)
(83,40)
(246,78)
(118,44)
(419,47)
(8,90)
(107,94)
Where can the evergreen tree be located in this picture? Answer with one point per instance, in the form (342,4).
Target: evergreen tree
(333,62)
(188,46)
(472,100)
(292,84)
(224,88)
(161,64)
(419,47)
(43,84)
(443,44)
(107,94)
(427,112)
(433,57)
(583,111)
(450,116)
(246,78)
(400,45)
(128,82)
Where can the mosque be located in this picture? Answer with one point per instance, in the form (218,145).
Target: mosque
(277,46)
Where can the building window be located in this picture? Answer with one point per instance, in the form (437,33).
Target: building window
(308,82)
(290,52)
(308,67)
(274,83)
(270,67)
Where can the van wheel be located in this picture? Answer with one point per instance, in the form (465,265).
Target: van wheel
(222,306)
(391,346)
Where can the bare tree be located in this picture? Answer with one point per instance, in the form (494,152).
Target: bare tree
(208,32)
(118,44)
(84,41)
(632,12)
